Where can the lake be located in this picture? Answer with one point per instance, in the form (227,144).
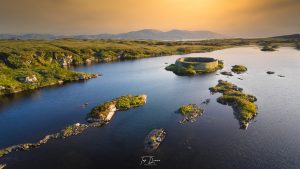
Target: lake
(214,141)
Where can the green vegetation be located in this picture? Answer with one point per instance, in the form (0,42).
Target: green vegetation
(48,60)
(239,69)
(242,104)
(190,70)
(129,101)
(190,112)
(100,113)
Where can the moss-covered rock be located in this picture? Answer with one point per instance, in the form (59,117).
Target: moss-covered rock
(269,48)
(239,69)
(243,104)
(190,112)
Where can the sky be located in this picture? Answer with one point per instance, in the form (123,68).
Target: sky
(238,18)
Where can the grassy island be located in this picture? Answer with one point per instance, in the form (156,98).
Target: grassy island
(239,69)
(269,47)
(104,112)
(190,112)
(243,104)
(195,66)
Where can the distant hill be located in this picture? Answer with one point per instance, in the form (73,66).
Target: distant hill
(291,37)
(134,35)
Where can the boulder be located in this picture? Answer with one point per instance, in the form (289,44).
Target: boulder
(89,61)
(2,166)
(67,61)
(28,79)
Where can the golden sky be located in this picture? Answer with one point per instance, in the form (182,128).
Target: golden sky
(244,18)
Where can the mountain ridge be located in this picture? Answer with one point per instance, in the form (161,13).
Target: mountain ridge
(144,34)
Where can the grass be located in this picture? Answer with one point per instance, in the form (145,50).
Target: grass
(190,108)
(19,58)
(243,104)
(239,69)
(129,101)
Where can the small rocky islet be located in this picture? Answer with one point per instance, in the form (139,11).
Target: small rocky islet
(190,112)
(153,140)
(243,104)
(238,69)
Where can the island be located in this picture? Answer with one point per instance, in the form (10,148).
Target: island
(189,66)
(268,47)
(238,69)
(153,140)
(190,112)
(104,112)
(243,104)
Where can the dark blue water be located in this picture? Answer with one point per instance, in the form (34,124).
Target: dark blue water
(214,141)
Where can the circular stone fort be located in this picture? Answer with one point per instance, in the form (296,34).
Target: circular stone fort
(198,63)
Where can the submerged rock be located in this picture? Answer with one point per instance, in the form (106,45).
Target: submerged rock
(270,72)
(280,75)
(154,139)
(226,73)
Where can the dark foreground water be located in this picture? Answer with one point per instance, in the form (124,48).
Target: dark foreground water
(214,141)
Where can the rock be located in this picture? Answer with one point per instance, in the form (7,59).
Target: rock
(67,61)
(154,139)
(226,73)
(45,139)
(89,61)
(2,87)
(28,79)
(206,101)
(281,76)
(240,78)
(270,72)
(60,82)
(2,166)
